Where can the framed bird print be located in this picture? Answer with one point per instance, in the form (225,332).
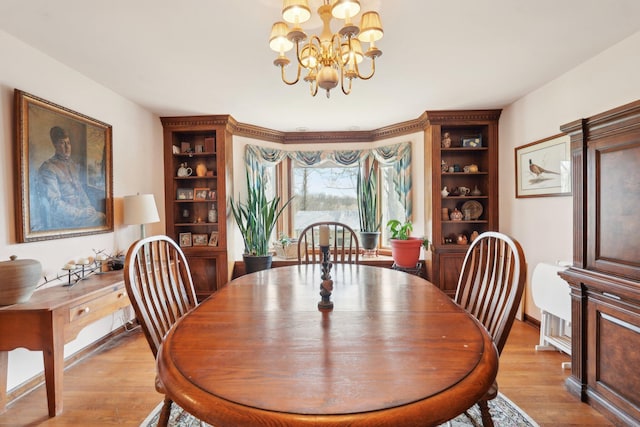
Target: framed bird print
(543,168)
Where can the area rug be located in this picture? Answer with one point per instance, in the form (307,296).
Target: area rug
(505,413)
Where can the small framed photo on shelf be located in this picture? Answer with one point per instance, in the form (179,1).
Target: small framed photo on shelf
(185,147)
(199,148)
(184,194)
(200,239)
(213,239)
(201,194)
(185,240)
(212,195)
(473,141)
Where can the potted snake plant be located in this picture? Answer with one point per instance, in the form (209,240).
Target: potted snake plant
(256,219)
(368,212)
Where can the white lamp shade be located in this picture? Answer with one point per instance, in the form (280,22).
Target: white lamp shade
(343,9)
(140,209)
(296,11)
(278,40)
(370,27)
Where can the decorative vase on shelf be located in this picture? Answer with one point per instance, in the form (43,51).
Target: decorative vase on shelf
(446,140)
(476,191)
(213,213)
(201,169)
(444,192)
(456,215)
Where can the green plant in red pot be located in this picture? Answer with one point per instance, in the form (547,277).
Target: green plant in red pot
(405,249)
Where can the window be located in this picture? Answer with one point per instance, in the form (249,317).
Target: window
(390,203)
(325,192)
(323,183)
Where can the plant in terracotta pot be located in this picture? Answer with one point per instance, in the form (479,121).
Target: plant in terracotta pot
(256,219)
(368,212)
(405,249)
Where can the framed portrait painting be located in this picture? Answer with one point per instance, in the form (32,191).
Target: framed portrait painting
(64,171)
(543,168)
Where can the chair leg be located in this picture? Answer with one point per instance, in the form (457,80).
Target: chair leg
(163,421)
(486,415)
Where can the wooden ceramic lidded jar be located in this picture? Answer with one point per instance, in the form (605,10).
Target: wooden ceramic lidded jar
(19,279)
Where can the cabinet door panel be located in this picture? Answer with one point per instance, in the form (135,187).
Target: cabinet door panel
(614,222)
(614,357)
(450,268)
(204,271)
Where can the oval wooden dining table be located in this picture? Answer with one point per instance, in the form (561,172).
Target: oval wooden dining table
(394,351)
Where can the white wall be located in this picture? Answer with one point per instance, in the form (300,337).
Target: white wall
(137,167)
(544,225)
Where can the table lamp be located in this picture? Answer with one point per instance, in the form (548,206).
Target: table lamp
(140,209)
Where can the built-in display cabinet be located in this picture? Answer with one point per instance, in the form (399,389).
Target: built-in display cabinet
(195,195)
(463,149)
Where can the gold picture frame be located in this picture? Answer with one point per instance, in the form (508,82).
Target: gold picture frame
(543,168)
(201,193)
(64,182)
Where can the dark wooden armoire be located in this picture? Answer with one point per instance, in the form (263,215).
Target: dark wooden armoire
(605,276)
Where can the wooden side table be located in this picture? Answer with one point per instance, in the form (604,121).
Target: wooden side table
(50,319)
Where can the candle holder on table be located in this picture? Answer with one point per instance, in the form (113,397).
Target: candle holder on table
(327,284)
(75,271)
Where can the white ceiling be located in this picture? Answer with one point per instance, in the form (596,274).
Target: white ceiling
(212,56)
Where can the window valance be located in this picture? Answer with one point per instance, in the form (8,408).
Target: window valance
(396,155)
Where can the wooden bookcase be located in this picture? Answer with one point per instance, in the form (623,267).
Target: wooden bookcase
(473,141)
(191,142)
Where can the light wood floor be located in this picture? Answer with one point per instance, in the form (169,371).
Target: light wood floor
(114,386)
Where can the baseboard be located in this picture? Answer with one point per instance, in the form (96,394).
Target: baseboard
(531,320)
(38,380)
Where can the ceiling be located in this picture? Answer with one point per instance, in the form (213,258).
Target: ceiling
(212,56)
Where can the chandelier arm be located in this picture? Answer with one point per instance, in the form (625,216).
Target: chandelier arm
(346,92)
(348,57)
(313,87)
(309,46)
(373,70)
(284,79)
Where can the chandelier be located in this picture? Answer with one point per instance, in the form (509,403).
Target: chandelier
(330,58)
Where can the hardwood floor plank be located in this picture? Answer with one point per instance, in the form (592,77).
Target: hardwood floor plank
(115,386)
(534,380)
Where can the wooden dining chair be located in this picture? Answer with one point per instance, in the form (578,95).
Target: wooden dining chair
(344,245)
(490,287)
(160,287)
